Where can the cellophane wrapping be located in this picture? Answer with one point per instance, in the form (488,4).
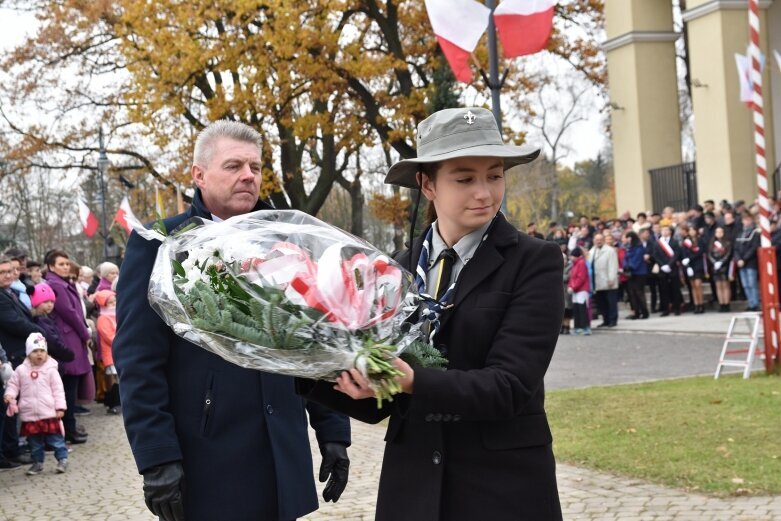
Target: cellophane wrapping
(283,292)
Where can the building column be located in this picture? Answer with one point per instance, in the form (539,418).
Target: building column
(723,125)
(643,88)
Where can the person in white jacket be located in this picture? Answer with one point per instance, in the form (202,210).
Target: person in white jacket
(42,403)
(604,272)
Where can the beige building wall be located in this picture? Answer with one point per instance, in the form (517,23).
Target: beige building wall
(723,126)
(644,97)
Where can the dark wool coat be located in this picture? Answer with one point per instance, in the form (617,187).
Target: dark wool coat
(16,324)
(240,434)
(473,442)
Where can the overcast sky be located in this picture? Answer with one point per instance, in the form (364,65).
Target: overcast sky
(586,138)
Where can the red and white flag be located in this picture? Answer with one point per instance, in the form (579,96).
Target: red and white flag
(125,216)
(458,25)
(88,220)
(743,63)
(524,25)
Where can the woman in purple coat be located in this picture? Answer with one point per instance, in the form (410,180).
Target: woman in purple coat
(72,327)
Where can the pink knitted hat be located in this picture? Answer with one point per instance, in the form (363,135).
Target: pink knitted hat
(43,293)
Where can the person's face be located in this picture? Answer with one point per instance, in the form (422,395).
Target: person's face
(719,233)
(693,232)
(38,357)
(85,276)
(599,240)
(583,221)
(112,274)
(531,228)
(666,232)
(466,191)
(609,240)
(61,267)
(15,266)
(747,221)
(22,265)
(44,308)
(729,218)
(35,274)
(230,183)
(6,275)
(656,228)
(644,235)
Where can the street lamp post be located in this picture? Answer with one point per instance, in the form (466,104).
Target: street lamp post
(102,168)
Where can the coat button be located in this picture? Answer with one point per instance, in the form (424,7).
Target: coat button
(428,417)
(446,417)
(437,417)
(456,417)
(269,409)
(436,457)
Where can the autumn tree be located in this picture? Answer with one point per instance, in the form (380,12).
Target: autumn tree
(322,80)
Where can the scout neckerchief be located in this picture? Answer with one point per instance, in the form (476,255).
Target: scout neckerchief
(432,308)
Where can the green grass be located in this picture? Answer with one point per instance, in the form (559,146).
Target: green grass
(716,436)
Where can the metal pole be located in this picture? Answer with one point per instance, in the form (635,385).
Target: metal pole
(494,82)
(102,166)
(766,255)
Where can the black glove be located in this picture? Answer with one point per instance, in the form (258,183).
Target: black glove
(337,464)
(163,491)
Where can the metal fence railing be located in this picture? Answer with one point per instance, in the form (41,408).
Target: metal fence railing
(675,186)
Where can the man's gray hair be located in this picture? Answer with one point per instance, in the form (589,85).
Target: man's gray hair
(208,137)
(5,260)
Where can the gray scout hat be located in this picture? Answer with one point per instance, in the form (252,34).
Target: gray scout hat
(451,133)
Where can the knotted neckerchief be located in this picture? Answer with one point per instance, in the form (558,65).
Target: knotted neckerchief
(432,308)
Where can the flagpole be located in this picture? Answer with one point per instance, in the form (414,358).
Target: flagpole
(766,253)
(494,83)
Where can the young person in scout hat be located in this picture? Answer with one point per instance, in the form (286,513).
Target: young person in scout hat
(471,442)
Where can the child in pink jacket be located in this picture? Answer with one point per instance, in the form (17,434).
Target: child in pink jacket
(42,403)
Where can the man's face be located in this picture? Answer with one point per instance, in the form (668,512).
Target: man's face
(6,275)
(748,221)
(644,235)
(729,218)
(22,265)
(230,183)
(609,240)
(15,266)
(531,228)
(599,240)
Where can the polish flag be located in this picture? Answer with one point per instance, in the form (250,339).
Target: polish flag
(88,220)
(125,216)
(524,25)
(458,25)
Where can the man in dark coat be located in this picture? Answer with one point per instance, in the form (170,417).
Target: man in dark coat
(15,325)
(214,440)
(666,253)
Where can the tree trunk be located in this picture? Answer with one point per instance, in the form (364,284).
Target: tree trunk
(554,195)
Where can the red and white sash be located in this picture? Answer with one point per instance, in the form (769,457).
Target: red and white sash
(666,249)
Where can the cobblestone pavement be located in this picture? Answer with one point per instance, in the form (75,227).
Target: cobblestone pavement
(102,484)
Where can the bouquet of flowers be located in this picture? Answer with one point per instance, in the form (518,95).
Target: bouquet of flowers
(283,292)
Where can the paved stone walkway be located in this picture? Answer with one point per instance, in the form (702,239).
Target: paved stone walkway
(102,484)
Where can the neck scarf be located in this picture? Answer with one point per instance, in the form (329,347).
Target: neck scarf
(432,308)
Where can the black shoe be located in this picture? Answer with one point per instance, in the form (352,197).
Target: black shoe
(644,316)
(75,438)
(612,324)
(664,314)
(631,317)
(603,324)
(113,410)
(8,465)
(22,459)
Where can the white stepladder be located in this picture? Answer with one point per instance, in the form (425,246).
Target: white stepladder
(753,323)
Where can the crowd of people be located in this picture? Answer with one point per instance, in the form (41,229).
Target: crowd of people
(57,325)
(662,255)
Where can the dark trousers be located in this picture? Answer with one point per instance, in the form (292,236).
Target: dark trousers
(607,303)
(652,281)
(10,436)
(669,292)
(111,399)
(71,384)
(580,314)
(636,290)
